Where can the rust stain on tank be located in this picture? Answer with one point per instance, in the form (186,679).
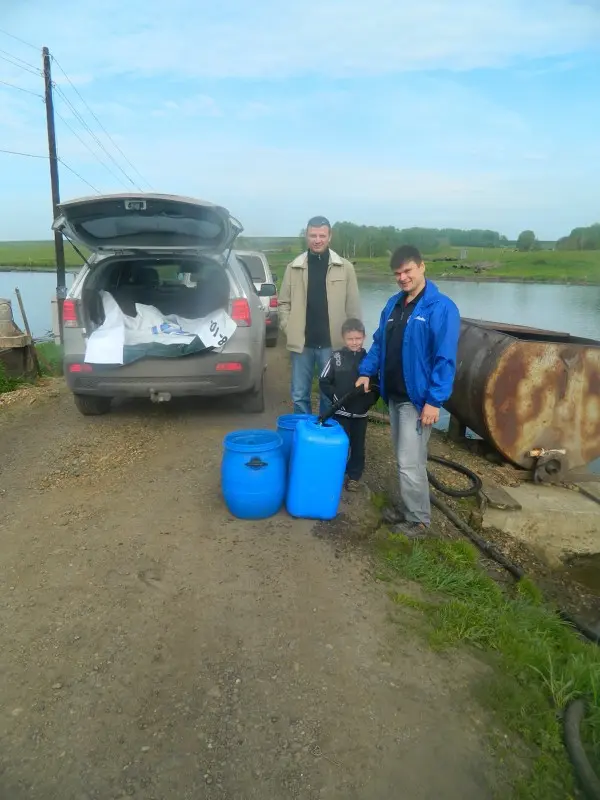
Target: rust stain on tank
(544,394)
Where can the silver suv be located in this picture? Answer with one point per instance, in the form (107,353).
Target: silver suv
(259,268)
(173,254)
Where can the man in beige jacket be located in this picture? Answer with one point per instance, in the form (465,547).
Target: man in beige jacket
(318,294)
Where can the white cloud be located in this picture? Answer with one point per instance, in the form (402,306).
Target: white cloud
(269,39)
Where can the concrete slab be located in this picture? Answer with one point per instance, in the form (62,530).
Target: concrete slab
(554,521)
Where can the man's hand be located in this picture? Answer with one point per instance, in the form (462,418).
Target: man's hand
(364,382)
(430,414)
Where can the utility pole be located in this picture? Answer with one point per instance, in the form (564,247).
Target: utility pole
(59,246)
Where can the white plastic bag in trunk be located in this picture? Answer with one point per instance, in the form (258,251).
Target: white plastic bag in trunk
(122,339)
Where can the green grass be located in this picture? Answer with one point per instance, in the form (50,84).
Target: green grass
(542,266)
(539,663)
(35,255)
(50,358)
(8,384)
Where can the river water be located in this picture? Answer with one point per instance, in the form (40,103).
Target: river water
(37,290)
(569,309)
(572,309)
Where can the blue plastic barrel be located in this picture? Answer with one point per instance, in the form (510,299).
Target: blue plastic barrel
(253,473)
(286,425)
(316,471)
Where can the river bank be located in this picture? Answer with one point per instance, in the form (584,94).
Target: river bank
(379,277)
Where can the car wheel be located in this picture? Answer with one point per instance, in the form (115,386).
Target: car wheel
(254,402)
(92,406)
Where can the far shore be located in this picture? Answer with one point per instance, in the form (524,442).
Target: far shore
(364,276)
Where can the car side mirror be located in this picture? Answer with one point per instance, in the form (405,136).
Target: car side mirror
(267,290)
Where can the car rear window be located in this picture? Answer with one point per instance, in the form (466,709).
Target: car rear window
(255,267)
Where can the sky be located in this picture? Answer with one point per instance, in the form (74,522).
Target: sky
(442,113)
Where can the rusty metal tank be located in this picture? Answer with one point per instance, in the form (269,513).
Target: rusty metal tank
(523,389)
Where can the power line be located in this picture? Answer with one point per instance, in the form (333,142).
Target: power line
(21,89)
(77,175)
(107,134)
(17,153)
(87,146)
(93,135)
(17,39)
(45,158)
(19,62)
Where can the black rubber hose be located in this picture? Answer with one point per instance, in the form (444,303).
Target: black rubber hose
(472,491)
(482,544)
(583,629)
(573,717)
(517,572)
(338,404)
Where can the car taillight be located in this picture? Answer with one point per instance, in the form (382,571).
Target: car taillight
(240,313)
(229,366)
(273,302)
(80,368)
(70,314)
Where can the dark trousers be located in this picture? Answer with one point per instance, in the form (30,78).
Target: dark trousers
(356,430)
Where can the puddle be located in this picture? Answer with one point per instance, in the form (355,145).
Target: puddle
(585,570)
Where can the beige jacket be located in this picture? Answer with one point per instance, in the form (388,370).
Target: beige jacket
(342,299)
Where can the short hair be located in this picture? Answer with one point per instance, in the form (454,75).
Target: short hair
(318,222)
(402,255)
(353,325)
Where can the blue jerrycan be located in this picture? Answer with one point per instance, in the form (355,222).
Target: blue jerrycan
(317,469)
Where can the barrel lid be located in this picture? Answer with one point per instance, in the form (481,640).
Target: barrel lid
(252,441)
(289,421)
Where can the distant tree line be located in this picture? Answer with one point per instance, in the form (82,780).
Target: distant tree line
(368,241)
(581,239)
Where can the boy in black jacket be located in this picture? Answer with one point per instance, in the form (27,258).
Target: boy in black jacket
(337,379)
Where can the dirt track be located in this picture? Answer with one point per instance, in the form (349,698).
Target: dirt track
(155,647)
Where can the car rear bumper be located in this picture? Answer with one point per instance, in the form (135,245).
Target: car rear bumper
(179,377)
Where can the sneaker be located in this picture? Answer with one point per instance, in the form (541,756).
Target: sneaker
(352,485)
(412,530)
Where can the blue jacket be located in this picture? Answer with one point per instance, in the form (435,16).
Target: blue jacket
(428,349)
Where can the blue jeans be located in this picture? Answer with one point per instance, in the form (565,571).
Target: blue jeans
(303,372)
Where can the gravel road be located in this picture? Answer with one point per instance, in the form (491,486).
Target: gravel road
(155,647)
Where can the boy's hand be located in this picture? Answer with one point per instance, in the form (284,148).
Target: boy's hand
(430,415)
(364,382)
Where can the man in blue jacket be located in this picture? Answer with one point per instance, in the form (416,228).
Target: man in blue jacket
(414,354)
